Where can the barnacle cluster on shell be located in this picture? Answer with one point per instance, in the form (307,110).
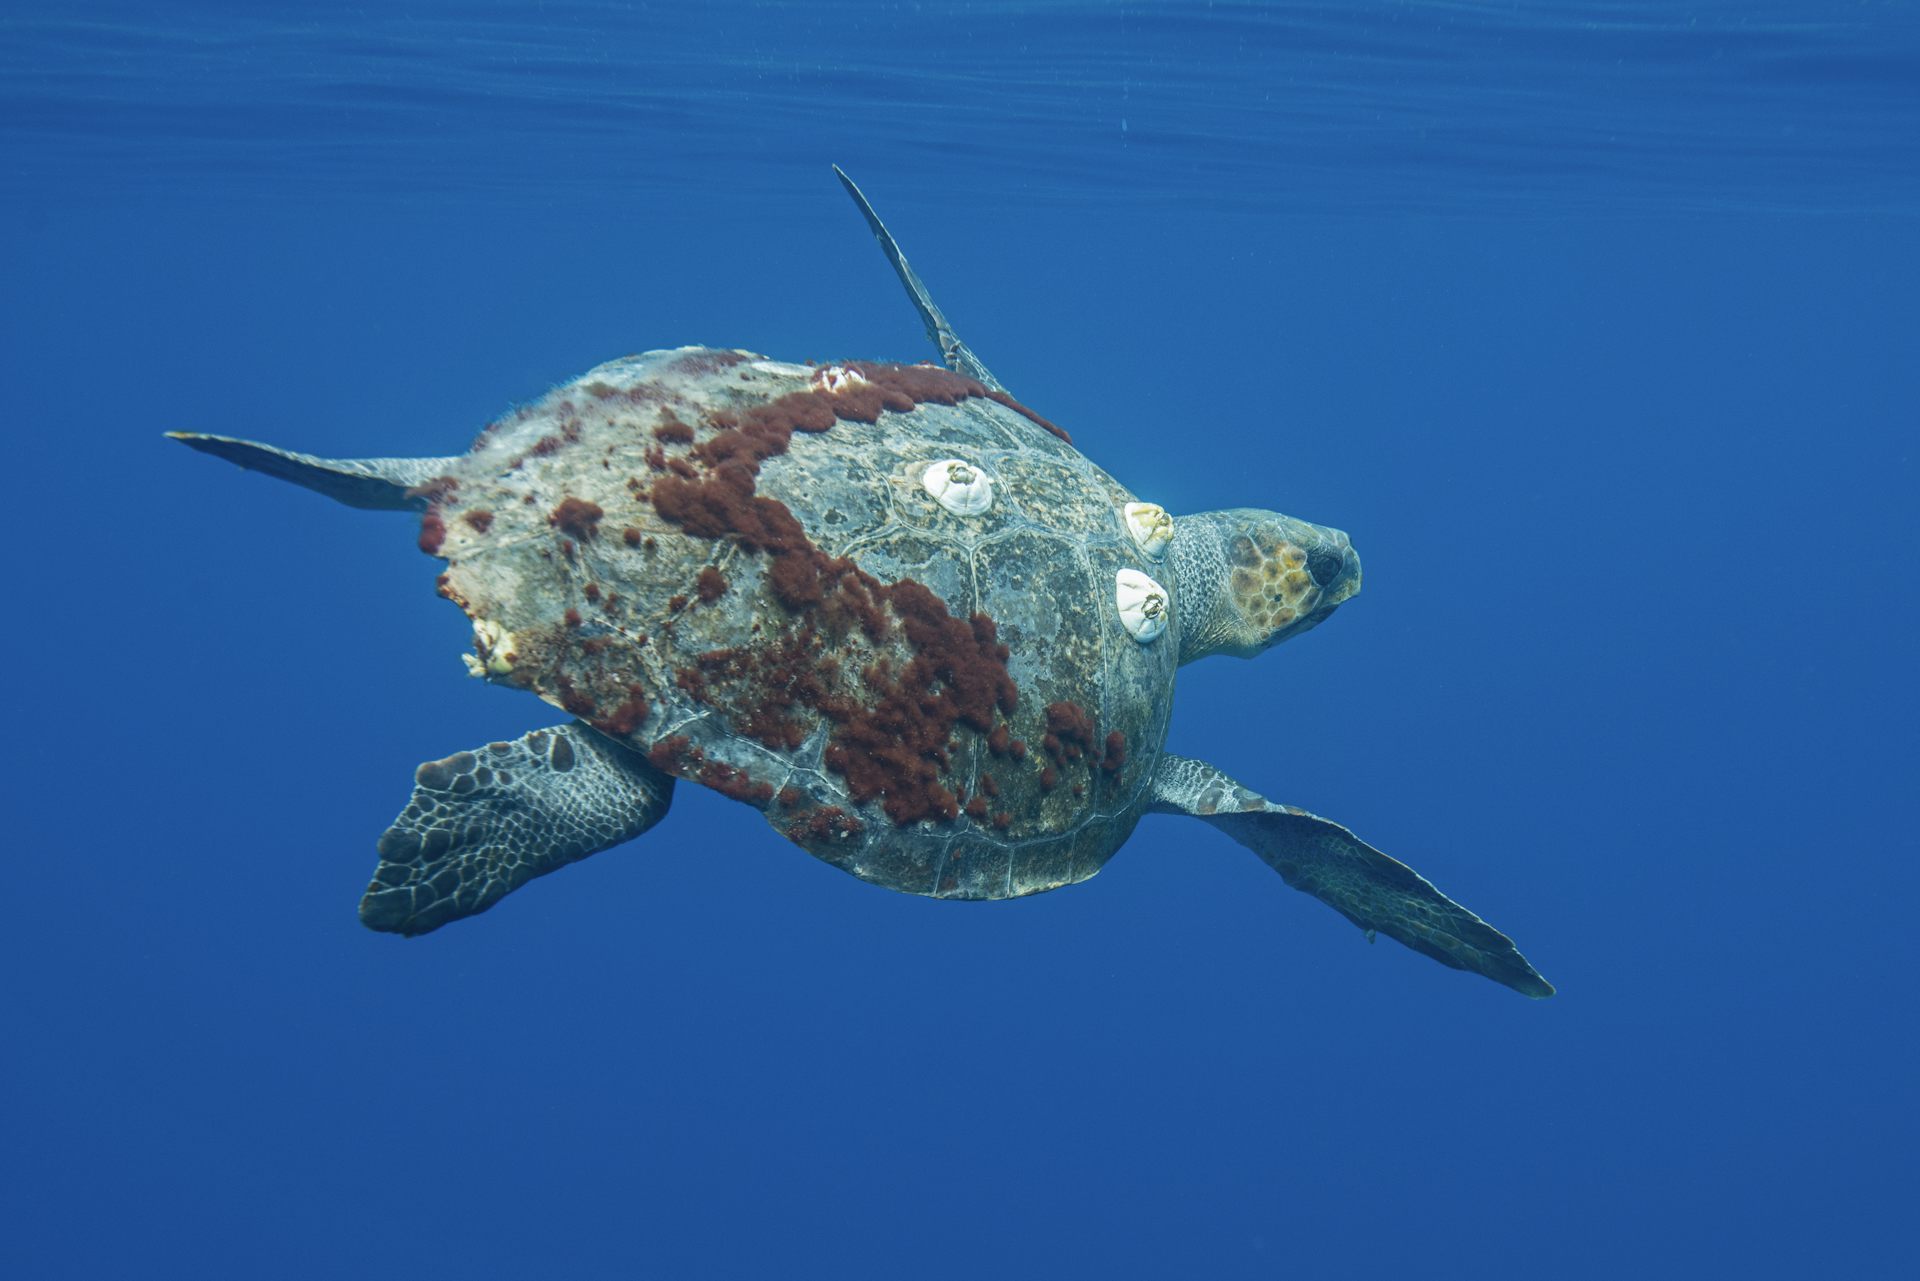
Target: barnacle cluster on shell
(838,377)
(958,486)
(495,645)
(1151,527)
(1143,604)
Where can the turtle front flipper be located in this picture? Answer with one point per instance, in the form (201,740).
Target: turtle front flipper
(955,354)
(483,823)
(1344,872)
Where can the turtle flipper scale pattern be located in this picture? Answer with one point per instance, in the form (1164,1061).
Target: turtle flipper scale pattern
(483,823)
(1375,892)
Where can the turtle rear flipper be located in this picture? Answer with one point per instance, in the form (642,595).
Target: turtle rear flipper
(1373,891)
(374,484)
(483,823)
(955,354)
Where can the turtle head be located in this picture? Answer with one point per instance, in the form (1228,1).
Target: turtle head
(1249,579)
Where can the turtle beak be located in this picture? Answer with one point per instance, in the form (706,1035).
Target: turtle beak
(1335,568)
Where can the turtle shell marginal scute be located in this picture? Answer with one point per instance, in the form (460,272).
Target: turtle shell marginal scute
(734,565)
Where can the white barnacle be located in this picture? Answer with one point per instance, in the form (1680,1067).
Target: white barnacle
(495,645)
(838,378)
(780,368)
(1143,604)
(1151,527)
(958,486)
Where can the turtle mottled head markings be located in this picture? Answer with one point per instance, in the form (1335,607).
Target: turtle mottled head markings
(887,605)
(1253,578)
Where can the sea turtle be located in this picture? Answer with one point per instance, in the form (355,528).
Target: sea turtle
(887,605)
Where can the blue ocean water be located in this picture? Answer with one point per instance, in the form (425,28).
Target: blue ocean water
(1594,324)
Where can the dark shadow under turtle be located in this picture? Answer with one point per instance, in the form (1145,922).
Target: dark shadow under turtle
(887,605)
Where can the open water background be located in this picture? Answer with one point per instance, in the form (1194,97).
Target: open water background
(1596,326)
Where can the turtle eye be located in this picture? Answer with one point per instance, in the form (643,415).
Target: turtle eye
(1324,563)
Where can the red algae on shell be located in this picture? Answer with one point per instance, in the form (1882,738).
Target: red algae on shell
(671,430)
(627,717)
(1069,732)
(824,824)
(576,517)
(930,383)
(735,783)
(1071,738)
(894,745)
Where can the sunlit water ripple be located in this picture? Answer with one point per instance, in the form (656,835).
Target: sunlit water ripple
(1417,105)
